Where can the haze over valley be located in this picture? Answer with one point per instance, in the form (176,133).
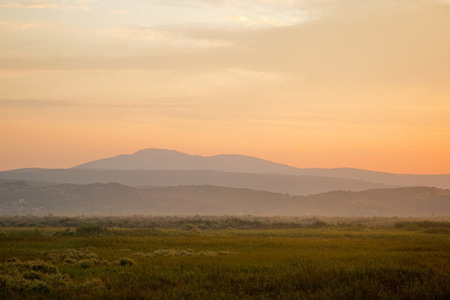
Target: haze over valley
(167,182)
(211,149)
(292,97)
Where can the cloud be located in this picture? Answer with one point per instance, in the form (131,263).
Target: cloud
(375,42)
(238,19)
(160,103)
(139,33)
(220,2)
(65,5)
(10,25)
(34,103)
(29,4)
(254,13)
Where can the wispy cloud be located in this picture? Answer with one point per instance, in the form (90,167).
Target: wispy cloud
(10,25)
(65,5)
(221,2)
(34,103)
(257,22)
(160,103)
(29,4)
(170,37)
(140,33)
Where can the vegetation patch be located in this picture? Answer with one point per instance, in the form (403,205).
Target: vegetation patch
(437,230)
(312,258)
(37,279)
(84,257)
(181,252)
(418,225)
(91,229)
(72,226)
(126,262)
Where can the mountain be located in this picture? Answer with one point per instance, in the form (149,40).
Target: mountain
(157,167)
(163,182)
(158,159)
(434,180)
(294,185)
(20,198)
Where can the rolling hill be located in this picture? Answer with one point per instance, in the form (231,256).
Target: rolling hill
(20,198)
(157,167)
(159,159)
(279,183)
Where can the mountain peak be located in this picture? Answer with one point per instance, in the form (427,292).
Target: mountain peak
(157,151)
(162,159)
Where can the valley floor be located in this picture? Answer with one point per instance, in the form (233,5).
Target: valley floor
(405,260)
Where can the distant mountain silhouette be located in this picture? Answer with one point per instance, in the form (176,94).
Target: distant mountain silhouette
(434,180)
(159,159)
(19,198)
(294,185)
(157,167)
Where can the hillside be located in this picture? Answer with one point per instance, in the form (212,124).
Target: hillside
(279,183)
(115,199)
(157,167)
(160,159)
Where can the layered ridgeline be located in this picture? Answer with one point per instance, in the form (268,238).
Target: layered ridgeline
(157,167)
(20,198)
(158,159)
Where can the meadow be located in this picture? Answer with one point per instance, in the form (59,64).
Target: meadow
(232,258)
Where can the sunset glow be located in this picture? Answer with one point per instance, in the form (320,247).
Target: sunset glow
(321,83)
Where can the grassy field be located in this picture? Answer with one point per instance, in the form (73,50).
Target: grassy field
(405,260)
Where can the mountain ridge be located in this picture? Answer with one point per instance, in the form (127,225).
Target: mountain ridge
(19,198)
(160,167)
(291,184)
(161,159)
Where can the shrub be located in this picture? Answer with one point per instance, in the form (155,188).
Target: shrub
(43,267)
(65,232)
(84,258)
(437,230)
(318,224)
(37,279)
(92,285)
(421,225)
(193,228)
(34,277)
(91,229)
(126,262)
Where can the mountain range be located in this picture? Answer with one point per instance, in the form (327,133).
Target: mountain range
(20,198)
(171,182)
(158,167)
(159,159)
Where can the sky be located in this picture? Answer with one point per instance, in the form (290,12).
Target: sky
(308,83)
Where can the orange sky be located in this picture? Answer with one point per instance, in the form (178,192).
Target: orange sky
(318,83)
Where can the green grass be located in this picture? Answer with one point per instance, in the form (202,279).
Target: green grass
(324,262)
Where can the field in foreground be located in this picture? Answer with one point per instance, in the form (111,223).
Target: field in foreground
(406,260)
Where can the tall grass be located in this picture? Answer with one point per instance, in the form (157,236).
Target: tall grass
(309,262)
